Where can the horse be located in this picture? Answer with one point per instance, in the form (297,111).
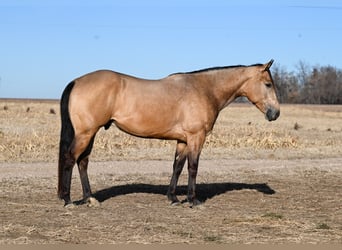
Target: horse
(182,107)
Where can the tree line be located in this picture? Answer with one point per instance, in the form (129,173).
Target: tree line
(308,84)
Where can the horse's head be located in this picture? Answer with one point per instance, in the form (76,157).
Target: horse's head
(260,90)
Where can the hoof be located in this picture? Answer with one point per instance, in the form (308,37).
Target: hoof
(174,200)
(69,205)
(195,203)
(92,202)
(175,203)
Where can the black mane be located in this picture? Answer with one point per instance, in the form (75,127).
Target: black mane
(216,68)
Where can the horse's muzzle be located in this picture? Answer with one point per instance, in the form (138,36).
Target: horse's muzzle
(272,114)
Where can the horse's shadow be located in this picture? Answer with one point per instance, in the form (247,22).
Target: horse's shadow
(204,191)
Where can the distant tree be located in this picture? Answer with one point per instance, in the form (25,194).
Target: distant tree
(303,72)
(310,85)
(288,89)
(325,85)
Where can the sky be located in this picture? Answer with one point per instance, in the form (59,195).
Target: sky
(46,44)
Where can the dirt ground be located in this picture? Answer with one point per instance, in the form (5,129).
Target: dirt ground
(259,182)
(244,201)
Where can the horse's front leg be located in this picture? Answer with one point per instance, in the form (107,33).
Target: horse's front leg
(195,148)
(192,169)
(178,164)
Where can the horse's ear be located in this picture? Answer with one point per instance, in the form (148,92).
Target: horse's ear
(268,65)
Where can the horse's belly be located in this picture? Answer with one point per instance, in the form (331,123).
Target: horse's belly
(150,128)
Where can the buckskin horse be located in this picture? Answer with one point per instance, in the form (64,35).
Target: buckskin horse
(181,107)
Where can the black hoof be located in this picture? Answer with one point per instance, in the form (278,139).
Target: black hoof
(175,203)
(194,203)
(173,198)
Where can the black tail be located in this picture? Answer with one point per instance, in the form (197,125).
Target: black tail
(67,133)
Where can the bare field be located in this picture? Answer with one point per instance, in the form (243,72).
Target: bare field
(260,182)
(29,132)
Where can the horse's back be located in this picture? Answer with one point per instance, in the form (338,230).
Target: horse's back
(104,95)
(148,108)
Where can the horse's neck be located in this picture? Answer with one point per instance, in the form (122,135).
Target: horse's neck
(227,84)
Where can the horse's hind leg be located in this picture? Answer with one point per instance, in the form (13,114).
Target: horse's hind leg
(82,163)
(82,168)
(82,146)
(67,162)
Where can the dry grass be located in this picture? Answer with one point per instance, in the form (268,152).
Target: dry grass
(247,158)
(29,132)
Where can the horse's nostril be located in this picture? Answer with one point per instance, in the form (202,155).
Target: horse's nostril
(272,114)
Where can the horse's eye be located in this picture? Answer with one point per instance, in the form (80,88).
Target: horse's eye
(268,85)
